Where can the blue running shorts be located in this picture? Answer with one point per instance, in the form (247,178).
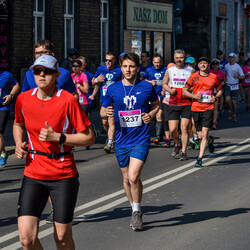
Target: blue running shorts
(139,152)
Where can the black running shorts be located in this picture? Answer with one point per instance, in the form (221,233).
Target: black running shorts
(203,119)
(34,195)
(178,112)
(4,117)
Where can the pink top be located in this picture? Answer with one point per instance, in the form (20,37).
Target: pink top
(80,79)
(246,81)
(219,73)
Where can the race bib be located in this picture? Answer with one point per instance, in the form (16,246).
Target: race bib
(130,118)
(178,83)
(205,97)
(234,86)
(167,94)
(247,80)
(81,99)
(108,83)
(104,90)
(159,82)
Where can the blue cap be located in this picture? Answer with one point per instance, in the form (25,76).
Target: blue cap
(122,54)
(47,61)
(190,60)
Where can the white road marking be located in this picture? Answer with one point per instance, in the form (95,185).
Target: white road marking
(89,214)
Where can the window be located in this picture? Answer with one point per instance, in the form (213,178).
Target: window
(158,43)
(38,20)
(221,32)
(104,28)
(136,42)
(68,25)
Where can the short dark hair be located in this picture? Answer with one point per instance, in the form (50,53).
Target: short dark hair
(110,54)
(219,52)
(132,57)
(145,52)
(157,55)
(78,62)
(46,44)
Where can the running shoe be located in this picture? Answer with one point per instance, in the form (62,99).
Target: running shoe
(108,148)
(234,118)
(229,116)
(49,219)
(3,161)
(198,163)
(214,126)
(167,143)
(191,146)
(175,151)
(157,140)
(197,144)
(136,221)
(183,157)
(210,144)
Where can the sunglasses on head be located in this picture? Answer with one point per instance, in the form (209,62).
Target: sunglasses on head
(44,70)
(75,66)
(109,60)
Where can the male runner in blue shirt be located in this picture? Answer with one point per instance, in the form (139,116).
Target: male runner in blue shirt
(130,109)
(107,75)
(155,75)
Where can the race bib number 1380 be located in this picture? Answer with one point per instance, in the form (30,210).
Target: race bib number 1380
(130,118)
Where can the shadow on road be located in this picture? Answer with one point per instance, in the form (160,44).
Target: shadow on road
(119,213)
(194,217)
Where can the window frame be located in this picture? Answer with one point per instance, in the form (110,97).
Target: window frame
(104,21)
(38,14)
(68,17)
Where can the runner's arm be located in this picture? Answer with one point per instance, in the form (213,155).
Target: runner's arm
(14,91)
(84,88)
(186,93)
(147,117)
(19,135)
(165,82)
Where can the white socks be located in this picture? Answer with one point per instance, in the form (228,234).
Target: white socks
(136,207)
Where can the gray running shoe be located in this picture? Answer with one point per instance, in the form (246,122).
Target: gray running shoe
(136,221)
(175,151)
(108,147)
(183,157)
(49,219)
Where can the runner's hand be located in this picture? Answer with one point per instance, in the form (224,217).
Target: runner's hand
(154,82)
(110,111)
(7,99)
(20,150)
(146,118)
(197,96)
(101,78)
(172,91)
(91,97)
(48,134)
(213,99)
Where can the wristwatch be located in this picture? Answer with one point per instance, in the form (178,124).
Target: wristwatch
(62,139)
(11,96)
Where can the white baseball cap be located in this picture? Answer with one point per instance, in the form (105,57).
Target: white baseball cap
(47,61)
(232,55)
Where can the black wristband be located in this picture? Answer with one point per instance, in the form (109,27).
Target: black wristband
(11,96)
(62,138)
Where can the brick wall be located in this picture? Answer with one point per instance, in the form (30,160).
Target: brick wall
(21,36)
(167,48)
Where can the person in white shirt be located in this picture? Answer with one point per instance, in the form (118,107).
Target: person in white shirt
(234,73)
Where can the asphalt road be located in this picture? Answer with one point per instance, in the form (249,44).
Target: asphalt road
(184,207)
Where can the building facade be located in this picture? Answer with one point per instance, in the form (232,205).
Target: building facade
(94,27)
(207,26)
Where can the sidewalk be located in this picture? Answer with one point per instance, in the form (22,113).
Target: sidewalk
(10,143)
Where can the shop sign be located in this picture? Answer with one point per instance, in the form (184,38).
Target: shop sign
(152,16)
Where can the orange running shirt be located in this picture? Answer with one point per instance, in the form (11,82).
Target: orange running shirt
(204,85)
(62,112)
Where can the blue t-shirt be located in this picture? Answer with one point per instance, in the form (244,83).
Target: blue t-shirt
(154,74)
(130,101)
(90,77)
(143,70)
(223,63)
(111,76)
(64,81)
(6,80)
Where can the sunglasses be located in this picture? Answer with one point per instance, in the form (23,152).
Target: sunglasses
(40,53)
(75,66)
(44,70)
(109,60)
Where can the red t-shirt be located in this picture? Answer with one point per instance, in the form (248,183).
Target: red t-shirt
(62,112)
(204,85)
